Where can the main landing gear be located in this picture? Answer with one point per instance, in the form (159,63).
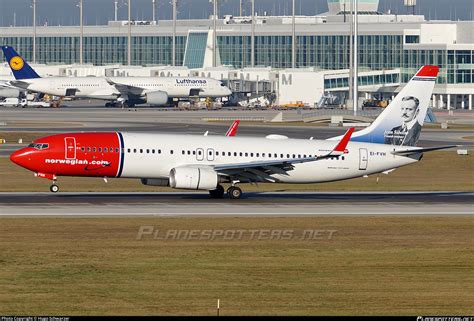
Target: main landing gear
(233,192)
(218,192)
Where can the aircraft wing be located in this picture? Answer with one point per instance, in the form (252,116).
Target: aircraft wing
(259,171)
(19,84)
(126,89)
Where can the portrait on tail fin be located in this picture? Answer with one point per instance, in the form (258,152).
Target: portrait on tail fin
(408,133)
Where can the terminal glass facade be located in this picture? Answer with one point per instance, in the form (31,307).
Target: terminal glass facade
(196,48)
(376,52)
(99,50)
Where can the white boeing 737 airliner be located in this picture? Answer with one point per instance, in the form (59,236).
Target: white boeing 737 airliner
(205,162)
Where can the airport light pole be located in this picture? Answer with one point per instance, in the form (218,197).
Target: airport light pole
(129,49)
(34,31)
(293,37)
(173,51)
(81,38)
(115,10)
(351,59)
(252,37)
(356,57)
(214,45)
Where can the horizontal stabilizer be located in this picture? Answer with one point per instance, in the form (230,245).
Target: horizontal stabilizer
(409,152)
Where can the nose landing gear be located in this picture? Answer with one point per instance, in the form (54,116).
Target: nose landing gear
(54,188)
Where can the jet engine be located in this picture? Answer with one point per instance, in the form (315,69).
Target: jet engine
(193,178)
(158,98)
(9,93)
(155,181)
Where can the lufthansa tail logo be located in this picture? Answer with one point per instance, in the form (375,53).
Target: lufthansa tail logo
(17,63)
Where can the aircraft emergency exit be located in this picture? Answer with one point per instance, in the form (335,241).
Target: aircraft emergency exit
(200,162)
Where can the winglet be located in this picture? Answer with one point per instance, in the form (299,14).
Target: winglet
(233,128)
(340,148)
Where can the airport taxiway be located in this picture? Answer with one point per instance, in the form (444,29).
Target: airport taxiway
(280,204)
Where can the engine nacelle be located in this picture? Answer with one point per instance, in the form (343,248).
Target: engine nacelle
(9,93)
(155,181)
(193,178)
(159,98)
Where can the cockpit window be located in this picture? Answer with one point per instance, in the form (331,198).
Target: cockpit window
(38,146)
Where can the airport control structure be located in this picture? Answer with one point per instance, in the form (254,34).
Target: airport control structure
(391,49)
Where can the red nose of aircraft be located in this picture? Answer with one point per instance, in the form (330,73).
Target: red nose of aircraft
(20,157)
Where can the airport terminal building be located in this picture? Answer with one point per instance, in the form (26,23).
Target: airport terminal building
(387,42)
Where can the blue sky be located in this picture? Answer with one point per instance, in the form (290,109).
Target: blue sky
(65,12)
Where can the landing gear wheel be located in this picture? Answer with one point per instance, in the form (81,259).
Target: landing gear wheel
(54,188)
(218,192)
(234,192)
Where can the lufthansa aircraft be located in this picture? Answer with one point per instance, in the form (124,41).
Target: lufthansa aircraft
(205,162)
(127,91)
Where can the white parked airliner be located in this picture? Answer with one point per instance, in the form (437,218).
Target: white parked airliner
(205,162)
(126,91)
